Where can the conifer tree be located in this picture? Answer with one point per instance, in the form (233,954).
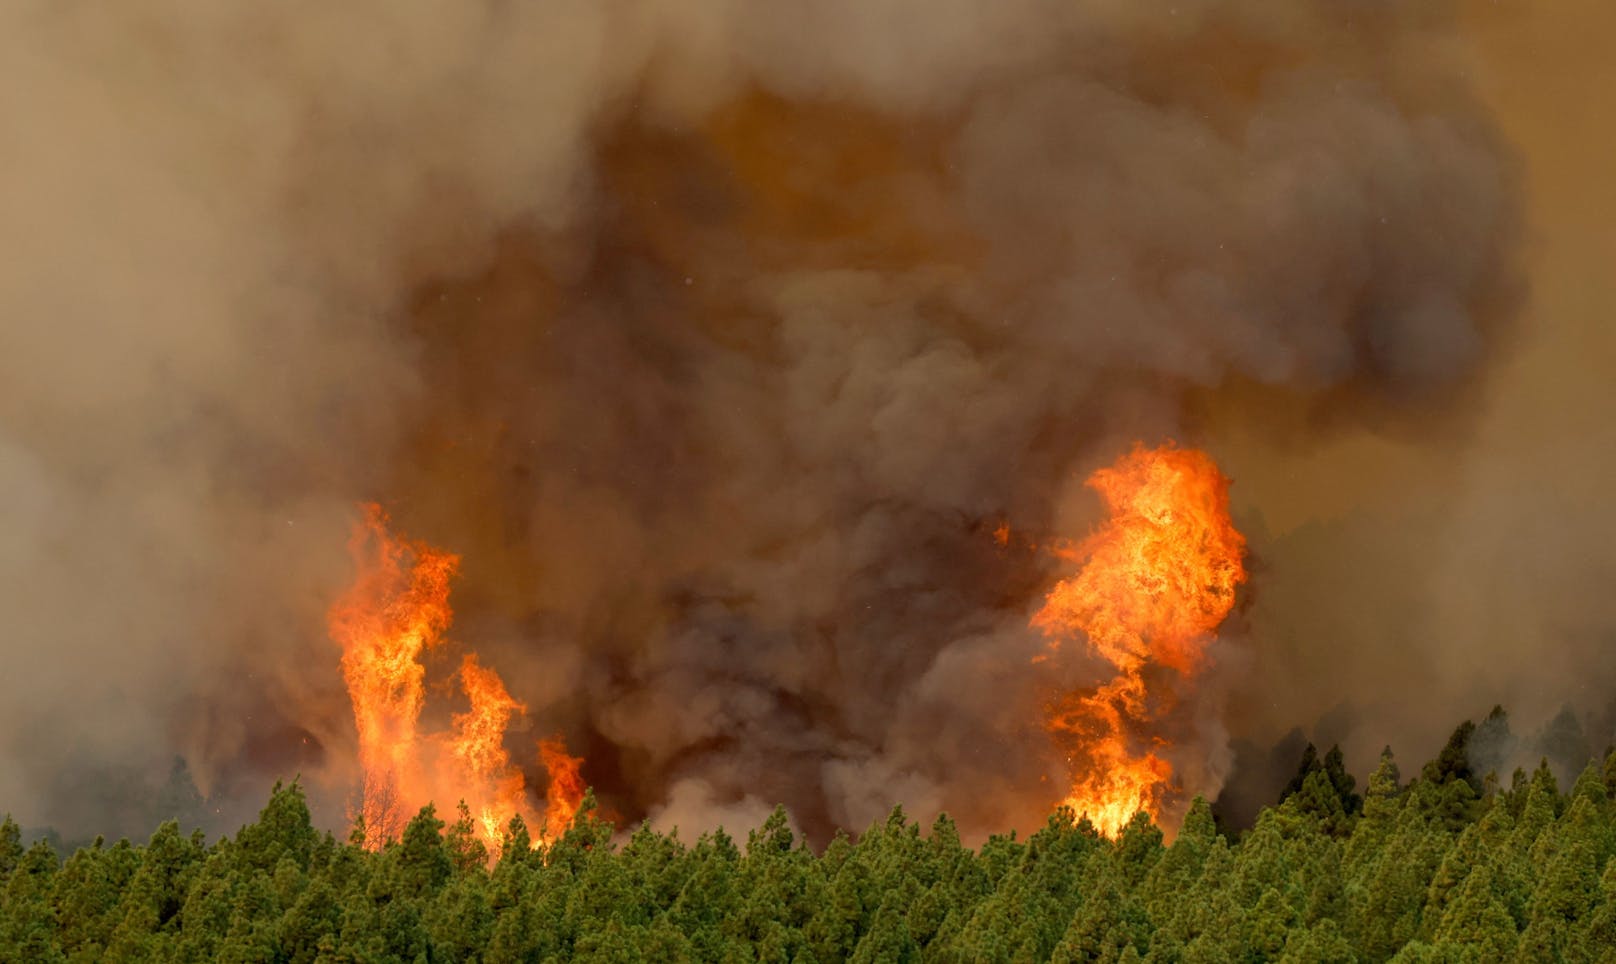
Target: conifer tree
(466,849)
(205,918)
(1453,763)
(1492,744)
(284,829)
(1322,943)
(888,940)
(313,921)
(1563,744)
(1387,898)
(1429,872)
(849,902)
(254,931)
(27,919)
(84,893)
(1478,920)
(11,848)
(423,860)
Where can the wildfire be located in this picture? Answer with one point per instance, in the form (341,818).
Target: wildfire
(566,790)
(1157,579)
(478,745)
(397,607)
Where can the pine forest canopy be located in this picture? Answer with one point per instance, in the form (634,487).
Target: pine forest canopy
(1450,866)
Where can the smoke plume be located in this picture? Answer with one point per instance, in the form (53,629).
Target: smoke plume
(715,337)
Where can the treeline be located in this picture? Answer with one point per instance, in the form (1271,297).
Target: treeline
(1448,866)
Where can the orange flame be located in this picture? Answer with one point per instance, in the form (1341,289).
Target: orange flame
(397,607)
(565,792)
(1156,582)
(478,745)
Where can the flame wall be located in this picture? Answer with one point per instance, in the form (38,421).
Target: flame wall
(715,338)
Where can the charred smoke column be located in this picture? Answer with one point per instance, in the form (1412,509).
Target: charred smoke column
(714,339)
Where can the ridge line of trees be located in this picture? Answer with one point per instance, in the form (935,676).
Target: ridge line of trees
(1449,866)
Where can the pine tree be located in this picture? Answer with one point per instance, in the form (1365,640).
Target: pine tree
(1453,763)
(205,918)
(27,919)
(1387,895)
(1541,809)
(1346,786)
(1383,799)
(710,899)
(1478,920)
(466,849)
(1308,766)
(178,799)
(1597,930)
(314,920)
(1109,921)
(849,903)
(1180,867)
(1476,847)
(887,941)
(459,920)
(424,861)
(611,943)
(1206,908)
(1138,848)
(1320,944)
(11,848)
(1267,926)
(655,869)
(255,922)
(1029,910)
(1563,744)
(86,891)
(1567,890)
(283,829)
(1492,744)
(529,930)
(150,903)
(518,864)
(943,911)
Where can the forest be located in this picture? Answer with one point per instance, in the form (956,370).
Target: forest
(1450,864)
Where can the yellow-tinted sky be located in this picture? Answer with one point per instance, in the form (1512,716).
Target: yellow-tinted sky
(1475,566)
(1547,71)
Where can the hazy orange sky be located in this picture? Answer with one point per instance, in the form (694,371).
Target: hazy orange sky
(1546,70)
(1500,538)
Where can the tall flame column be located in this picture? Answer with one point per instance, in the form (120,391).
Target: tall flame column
(1156,581)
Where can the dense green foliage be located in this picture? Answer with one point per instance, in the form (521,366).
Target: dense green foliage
(1449,867)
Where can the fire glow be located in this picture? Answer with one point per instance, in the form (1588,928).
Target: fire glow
(1156,581)
(396,608)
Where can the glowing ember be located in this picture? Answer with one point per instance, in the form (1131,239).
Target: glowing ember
(1157,579)
(397,607)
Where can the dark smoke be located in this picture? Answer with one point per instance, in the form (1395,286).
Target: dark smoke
(716,337)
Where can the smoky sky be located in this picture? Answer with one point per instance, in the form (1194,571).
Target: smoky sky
(717,338)
(1409,579)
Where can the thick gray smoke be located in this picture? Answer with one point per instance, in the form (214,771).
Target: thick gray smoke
(715,336)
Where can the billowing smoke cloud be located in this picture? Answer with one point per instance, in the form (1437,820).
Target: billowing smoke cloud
(1415,579)
(716,337)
